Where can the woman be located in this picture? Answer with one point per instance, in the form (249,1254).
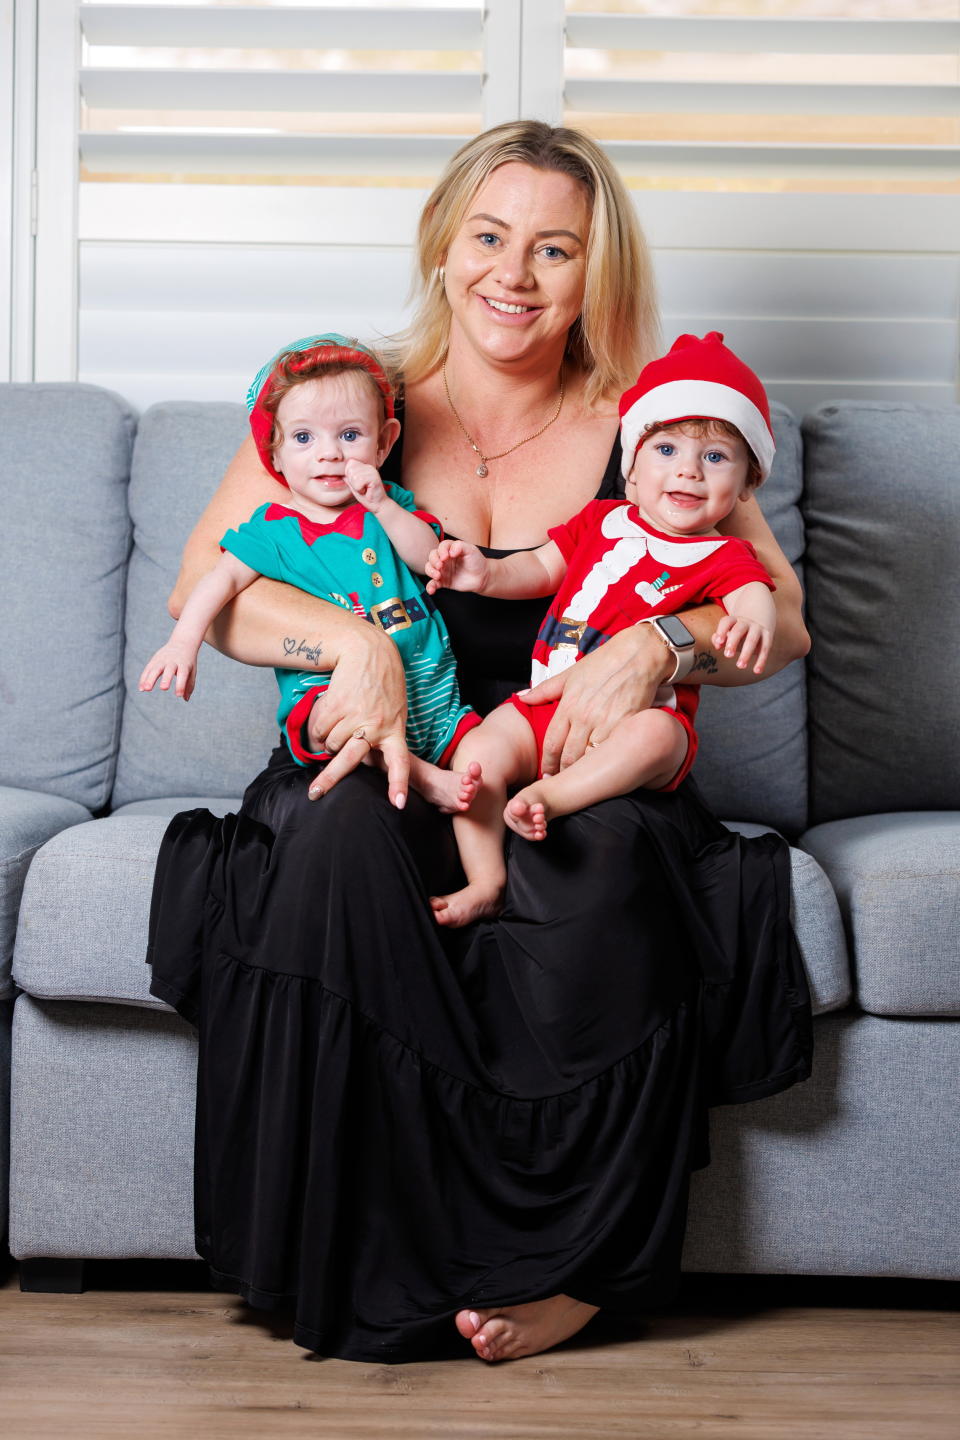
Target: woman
(424,1138)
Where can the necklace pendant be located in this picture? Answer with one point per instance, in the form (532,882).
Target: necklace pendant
(482,470)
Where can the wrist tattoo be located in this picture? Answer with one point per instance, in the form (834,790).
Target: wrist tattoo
(706,661)
(310,653)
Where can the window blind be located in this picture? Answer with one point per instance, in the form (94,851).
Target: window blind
(275,93)
(789,100)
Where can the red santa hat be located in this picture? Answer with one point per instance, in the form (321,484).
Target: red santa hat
(313,350)
(697,379)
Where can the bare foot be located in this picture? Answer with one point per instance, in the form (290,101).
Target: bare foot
(473,902)
(523,1329)
(528,813)
(452,791)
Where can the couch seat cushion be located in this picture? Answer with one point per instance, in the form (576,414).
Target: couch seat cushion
(817,926)
(896,877)
(172,806)
(86,903)
(27,820)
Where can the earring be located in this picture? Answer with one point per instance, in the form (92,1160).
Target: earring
(442,275)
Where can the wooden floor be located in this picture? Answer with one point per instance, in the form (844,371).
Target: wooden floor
(149,1352)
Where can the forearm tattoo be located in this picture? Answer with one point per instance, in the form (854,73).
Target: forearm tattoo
(706,661)
(294,647)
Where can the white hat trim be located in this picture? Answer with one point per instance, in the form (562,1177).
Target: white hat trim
(697,397)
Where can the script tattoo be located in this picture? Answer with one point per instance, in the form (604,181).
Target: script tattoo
(705,661)
(311,653)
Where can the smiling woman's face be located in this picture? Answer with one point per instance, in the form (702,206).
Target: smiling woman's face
(516,268)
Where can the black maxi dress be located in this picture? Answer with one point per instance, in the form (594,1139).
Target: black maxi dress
(396,1122)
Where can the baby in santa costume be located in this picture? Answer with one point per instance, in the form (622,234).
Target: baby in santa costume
(696,436)
(322,417)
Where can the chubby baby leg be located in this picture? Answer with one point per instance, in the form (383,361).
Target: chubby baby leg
(646,749)
(504,747)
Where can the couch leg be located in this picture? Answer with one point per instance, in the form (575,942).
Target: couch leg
(52,1277)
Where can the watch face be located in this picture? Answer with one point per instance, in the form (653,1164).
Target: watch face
(675,631)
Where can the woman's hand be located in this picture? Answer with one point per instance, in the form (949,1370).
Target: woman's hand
(363,709)
(617,680)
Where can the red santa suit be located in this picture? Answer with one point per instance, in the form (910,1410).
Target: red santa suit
(620,570)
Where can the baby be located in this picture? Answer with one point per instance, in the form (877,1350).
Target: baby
(696,440)
(322,417)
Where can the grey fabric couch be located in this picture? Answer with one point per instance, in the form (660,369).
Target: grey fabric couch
(850,756)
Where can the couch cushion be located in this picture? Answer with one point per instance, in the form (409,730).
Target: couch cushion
(882,512)
(86,904)
(817,926)
(753,745)
(217,743)
(174,804)
(84,913)
(27,820)
(64,462)
(896,877)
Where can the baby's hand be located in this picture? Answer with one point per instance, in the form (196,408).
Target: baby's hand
(456,565)
(748,636)
(173,661)
(366,484)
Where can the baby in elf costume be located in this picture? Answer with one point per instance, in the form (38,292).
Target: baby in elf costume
(323,420)
(696,438)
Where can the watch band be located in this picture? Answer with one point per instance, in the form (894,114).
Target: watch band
(683,658)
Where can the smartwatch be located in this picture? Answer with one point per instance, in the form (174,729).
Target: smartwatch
(677,639)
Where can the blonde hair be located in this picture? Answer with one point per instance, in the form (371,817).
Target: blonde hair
(617,330)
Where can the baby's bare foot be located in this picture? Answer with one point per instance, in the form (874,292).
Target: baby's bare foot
(527,813)
(473,902)
(452,791)
(518,1330)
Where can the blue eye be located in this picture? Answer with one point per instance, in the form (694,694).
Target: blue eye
(302,437)
(553,252)
(485,235)
(716,457)
(349,436)
(666,449)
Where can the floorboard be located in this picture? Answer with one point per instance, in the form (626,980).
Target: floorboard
(150,1352)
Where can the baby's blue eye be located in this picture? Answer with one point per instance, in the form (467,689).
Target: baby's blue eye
(349,436)
(666,449)
(302,437)
(716,457)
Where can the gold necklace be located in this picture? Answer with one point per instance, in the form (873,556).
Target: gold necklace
(482,467)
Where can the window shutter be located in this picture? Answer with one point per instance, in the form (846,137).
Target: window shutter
(242,172)
(771,155)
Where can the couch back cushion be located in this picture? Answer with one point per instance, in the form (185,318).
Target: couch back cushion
(215,744)
(882,514)
(752,763)
(64,462)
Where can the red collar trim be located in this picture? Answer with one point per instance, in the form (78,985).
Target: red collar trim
(349,522)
